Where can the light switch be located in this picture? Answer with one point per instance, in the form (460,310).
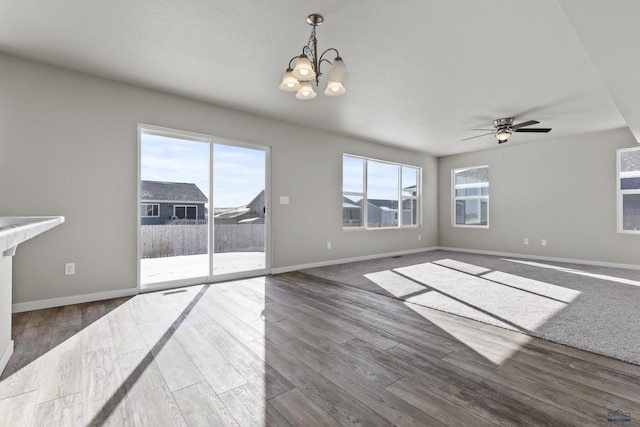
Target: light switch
(69,268)
(284,200)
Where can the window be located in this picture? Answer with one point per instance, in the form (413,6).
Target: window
(352,191)
(629,190)
(382,194)
(150,209)
(409,195)
(373,192)
(185,212)
(471,196)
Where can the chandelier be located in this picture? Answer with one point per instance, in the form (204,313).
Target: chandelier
(307,68)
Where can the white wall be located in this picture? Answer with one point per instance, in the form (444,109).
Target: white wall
(68,145)
(563,191)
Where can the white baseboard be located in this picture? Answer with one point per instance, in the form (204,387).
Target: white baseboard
(289,268)
(75,299)
(544,258)
(444,248)
(6,355)
(78,299)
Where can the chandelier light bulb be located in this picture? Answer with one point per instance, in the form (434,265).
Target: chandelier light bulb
(335,89)
(338,72)
(304,69)
(289,83)
(305,92)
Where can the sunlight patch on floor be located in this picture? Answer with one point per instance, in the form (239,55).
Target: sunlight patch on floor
(578,272)
(122,361)
(396,285)
(58,372)
(474,292)
(534,286)
(491,347)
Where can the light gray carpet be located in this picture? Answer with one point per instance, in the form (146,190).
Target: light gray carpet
(592,308)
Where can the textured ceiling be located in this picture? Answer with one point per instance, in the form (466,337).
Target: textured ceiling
(422,72)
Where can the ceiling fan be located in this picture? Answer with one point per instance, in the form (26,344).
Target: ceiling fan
(503,128)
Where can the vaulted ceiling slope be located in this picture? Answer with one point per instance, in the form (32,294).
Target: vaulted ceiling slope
(423,73)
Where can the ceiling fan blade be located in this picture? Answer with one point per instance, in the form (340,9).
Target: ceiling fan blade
(534,130)
(486,130)
(478,136)
(523,124)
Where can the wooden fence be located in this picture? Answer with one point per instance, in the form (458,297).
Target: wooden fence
(157,241)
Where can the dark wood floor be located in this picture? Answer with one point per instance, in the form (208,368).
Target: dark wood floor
(294,350)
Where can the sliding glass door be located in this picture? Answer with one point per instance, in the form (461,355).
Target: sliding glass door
(202,209)
(239,233)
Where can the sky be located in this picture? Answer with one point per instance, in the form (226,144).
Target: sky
(382,177)
(239,173)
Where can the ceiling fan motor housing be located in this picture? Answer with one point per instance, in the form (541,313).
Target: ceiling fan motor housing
(501,123)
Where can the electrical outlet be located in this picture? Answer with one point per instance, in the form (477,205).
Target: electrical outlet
(543,242)
(328,245)
(419,236)
(526,241)
(69,268)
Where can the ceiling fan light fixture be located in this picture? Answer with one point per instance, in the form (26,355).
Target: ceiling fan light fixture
(503,134)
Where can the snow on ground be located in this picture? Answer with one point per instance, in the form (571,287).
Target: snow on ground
(157,270)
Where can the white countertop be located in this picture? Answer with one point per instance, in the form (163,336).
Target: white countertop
(17,229)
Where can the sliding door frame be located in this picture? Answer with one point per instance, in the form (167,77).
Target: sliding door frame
(211,140)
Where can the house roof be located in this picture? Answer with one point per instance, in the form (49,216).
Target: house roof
(232,212)
(159,191)
(477,174)
(630,161)
(235,212)
(348,203)
(383,204)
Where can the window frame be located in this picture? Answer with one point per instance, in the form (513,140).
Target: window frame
(620,193)
(144,208)
(186,207)
(414,197)
(479,198)
(364,219)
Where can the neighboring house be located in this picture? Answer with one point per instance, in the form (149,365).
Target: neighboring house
(630,180)
(351,213)
(379,211)
(162,202)
(251,213)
